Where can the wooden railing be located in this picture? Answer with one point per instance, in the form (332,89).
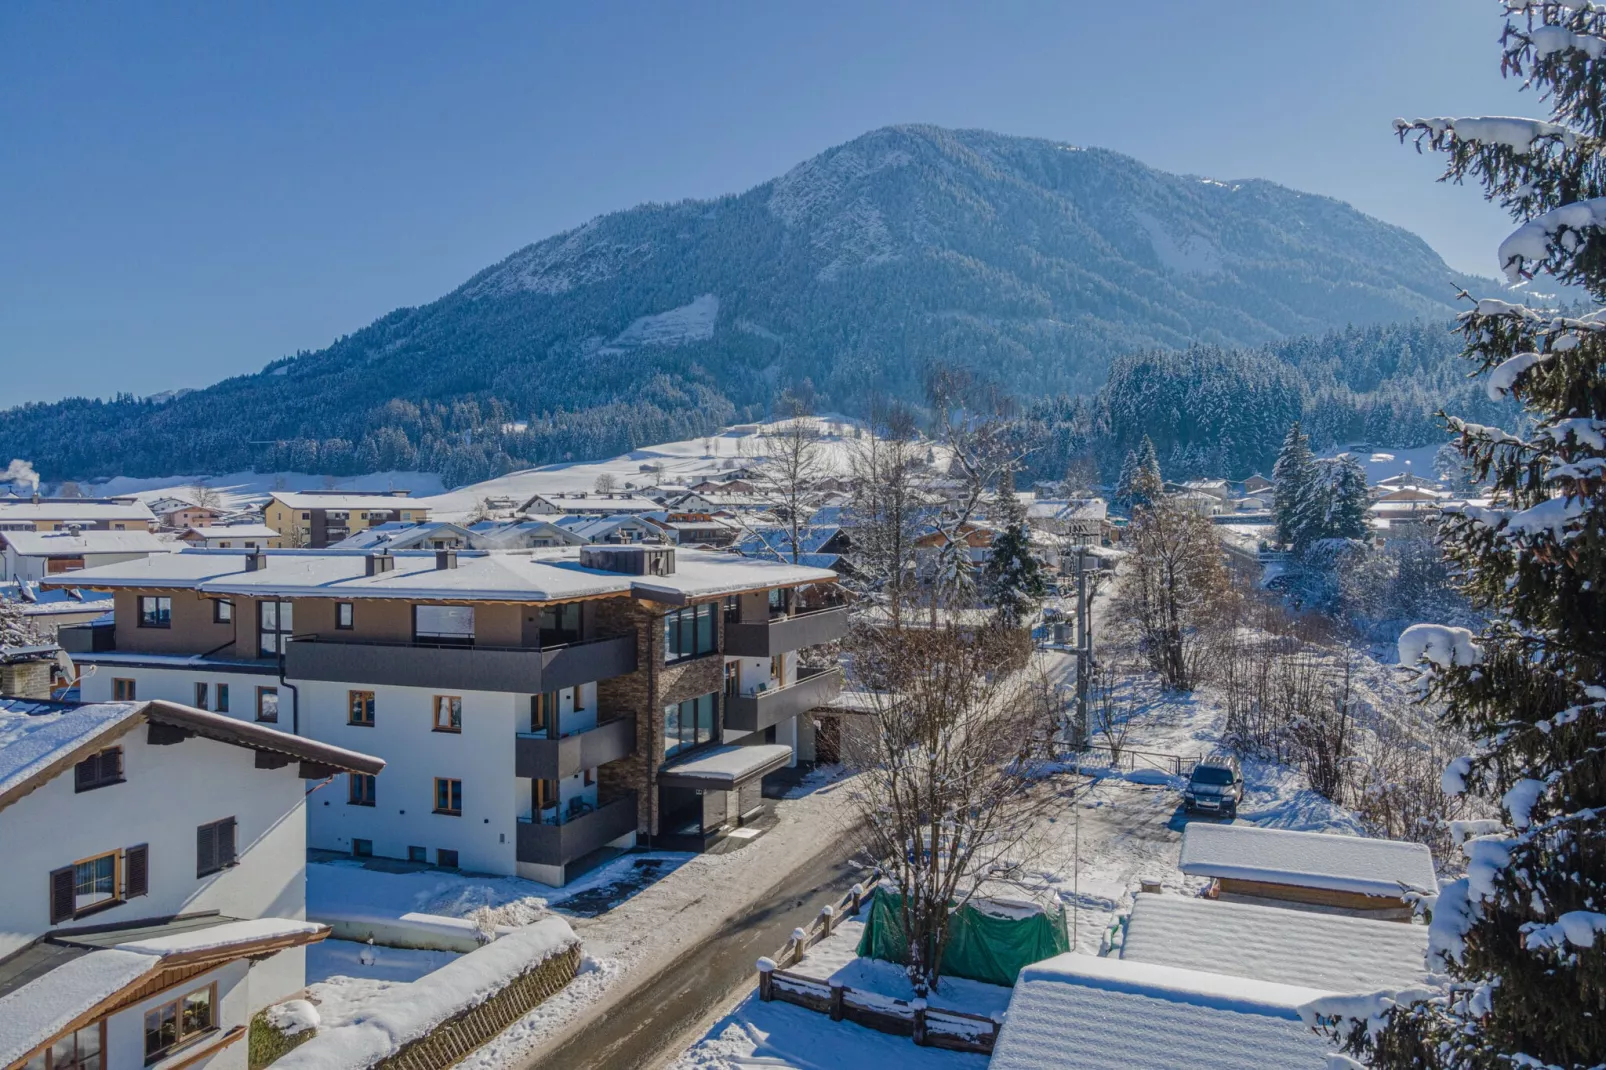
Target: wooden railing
(929,1026)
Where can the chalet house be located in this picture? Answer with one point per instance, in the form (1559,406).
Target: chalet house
(591,504)
(320,518)
(621,528)
(33,555)
(1360,876)
(695,529)
(977,538)
(522,534)
(1258,484)
(396,535)
(1201,502)
(52,608)
(154,893)
(245,536)
(1084,521)
(729,486)
(176,514)
(1407,503)
(88,514)
(539,710)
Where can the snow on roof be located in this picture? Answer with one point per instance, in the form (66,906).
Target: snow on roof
(591,528)
(313,500)
(1113,1014)
(217,937)
(88,510)
(1293,947)
(729,763)
(771,538)
(35,734)
(46,1005)
(1306,859)
(699,573)
(235,531)
(406,1012)
(89,541)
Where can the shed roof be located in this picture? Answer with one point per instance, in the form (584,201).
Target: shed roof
(1306,859)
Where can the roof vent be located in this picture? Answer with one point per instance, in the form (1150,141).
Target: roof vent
(380,563)
(445,559)
(631,560)
(256,562)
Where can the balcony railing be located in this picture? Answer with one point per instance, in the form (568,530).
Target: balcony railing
(461,667)
(756,712)
(762,639)
(542,758)
(575,835)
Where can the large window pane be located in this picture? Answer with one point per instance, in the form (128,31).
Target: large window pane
(705,628)
(269,613)
(444,624)
(705,718)
(671,729)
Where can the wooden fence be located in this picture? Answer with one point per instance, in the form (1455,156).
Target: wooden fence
(928,1026)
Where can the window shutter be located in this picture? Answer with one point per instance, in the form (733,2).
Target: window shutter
(136,871)
(225,843)
(205,850)
(86,772)
(61,895)
(111,763)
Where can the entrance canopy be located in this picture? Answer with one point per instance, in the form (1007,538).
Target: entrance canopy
(725,768)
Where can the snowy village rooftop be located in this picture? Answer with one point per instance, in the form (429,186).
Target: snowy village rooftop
(85,541)
(477,575)
(1294,947)
(1114,1014)
(83,510)
(1307,859)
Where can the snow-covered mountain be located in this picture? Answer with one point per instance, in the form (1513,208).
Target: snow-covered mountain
(1031,261)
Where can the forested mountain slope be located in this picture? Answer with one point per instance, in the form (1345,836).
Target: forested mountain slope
(1031,261)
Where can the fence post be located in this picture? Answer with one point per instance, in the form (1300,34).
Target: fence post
(827,918)
(858,897)
(836,999)
(919,1007)
(766,979)
(800,940)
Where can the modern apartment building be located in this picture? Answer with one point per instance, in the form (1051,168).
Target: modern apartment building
(320,518)
(534,707)
(59,514)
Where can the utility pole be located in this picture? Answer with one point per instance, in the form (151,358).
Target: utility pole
(1084,641)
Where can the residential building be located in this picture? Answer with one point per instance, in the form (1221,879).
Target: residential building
(233,536)
(180,515)
(51,608)
(319,518)
(523,534)
(537,708)
(619,528)
(695,529)
(54,514)
(1258,484)
(560,502)
(396,535)
(33,555)
(1081,521)
(154,893)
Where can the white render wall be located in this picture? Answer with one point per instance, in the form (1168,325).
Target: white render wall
(178,685)
(167,793)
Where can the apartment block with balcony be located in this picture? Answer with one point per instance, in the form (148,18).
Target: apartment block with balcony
(316,519)
(538,710)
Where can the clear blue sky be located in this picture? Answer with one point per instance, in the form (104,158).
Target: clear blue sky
(188,191)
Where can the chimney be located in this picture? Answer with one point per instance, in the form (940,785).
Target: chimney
(256,561)
(380,563)
(445,559)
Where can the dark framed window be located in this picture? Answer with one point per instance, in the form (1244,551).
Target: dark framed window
(275,622)
(268,704)
(733,608)
(560,624)
(215,847)
(345,616)
(544,794)
(155,611)
(93,884)
(80,1050)
(360,789)
(201,694)
(544,714)
(417,854)
(99,770)
(448,713)
(222,611)
(691,723)
(445,859)
(443,625)
(448,797)
(691,632)
(122,689)
(223,698)
(360,708)
(179,1022)
(361,848)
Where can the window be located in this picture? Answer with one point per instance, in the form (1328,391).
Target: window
(689,724)
(99,770)
(448,713)
(180,1022)
(223,698)
(360,708)
(222,611)
(360,789)
(122,690)
(93,883)
(79,1050)
(214,847)
(200,696)
(733,609)
(560,625)
(445,859)
(777,601)
(361,848)
(448,797)
(417,854)
(275,621)
(544,714)
(690,632)
(155,611)
(545,794)
(267,703)
(345,616)
(443,625)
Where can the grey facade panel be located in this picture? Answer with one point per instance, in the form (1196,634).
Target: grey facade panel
(583,663)
(464,668)
(766,638)
(555,759)
(754,713)
(558,845)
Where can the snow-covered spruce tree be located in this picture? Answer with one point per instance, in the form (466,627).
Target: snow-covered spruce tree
(1147,484)
(1124,482)
(1013,578)
(1522,938)
(1338,501)
(1292,476)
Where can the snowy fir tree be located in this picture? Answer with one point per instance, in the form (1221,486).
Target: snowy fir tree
(1292,475)
(1521,939)
(1147,484)
(1129,476)
(1337,501)
(1013,578)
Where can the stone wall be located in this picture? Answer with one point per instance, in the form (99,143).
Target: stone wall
(26,679)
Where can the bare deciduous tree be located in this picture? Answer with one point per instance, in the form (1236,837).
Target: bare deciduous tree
(605,484)
(1173,589)
(793,462)
(203,496)
(885,512)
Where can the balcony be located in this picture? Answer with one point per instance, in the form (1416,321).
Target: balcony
(541,758)
(463,668)
(762,639)
(756,712)
(544,844)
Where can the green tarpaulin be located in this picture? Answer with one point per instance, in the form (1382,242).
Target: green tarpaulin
(982,946)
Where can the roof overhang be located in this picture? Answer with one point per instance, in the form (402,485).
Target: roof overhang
(725,768)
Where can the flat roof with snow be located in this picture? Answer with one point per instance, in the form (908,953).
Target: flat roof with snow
(340,500)
(1076,1010)
(1293,947)
(85,541)
(723,767)
(1306,859)
(67,510)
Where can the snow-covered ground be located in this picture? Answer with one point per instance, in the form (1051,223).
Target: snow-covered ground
(837,957)
(1380,462)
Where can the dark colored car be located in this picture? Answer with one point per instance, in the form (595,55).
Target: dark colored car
(1215,788)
